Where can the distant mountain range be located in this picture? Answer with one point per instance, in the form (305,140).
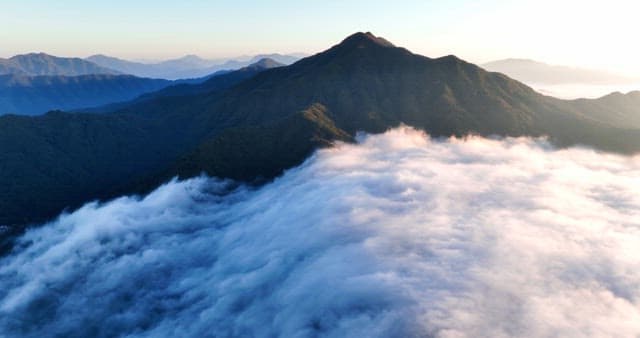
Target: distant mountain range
(34,95)
(254,127)
(216,82)
(44,64)
(190,66)
(530,71)
(187,67)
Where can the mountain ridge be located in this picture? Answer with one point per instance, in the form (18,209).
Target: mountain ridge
(215,82)
(35,64)
(189,66)
(35,95)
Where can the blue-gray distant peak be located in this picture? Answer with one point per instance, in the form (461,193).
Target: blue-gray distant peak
(265,63)
(45,64)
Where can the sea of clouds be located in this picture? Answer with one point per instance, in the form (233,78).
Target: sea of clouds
(398,236)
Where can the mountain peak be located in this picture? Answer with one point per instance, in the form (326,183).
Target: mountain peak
(190,57)
(362,40)
(265,63)
(32,55)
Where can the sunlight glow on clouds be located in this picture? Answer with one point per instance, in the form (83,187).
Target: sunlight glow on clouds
(400,235)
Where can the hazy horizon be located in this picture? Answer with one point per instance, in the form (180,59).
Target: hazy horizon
(475,31)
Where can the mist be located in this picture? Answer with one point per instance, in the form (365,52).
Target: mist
(398,235)
(580,90)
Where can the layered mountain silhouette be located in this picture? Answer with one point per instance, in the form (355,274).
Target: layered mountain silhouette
(33,95)
(255,128)
(215,82)
(44,64)
(221,80)
(190,66)
(530,71)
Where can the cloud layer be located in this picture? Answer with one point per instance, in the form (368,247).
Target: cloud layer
(400,235)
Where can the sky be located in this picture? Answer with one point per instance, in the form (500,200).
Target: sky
(594,34)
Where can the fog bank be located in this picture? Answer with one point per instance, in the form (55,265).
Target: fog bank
(400,235)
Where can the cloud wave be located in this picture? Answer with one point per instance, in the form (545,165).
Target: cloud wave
(400,235)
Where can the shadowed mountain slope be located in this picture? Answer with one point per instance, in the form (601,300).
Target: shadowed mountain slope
(620,110)
(33,95)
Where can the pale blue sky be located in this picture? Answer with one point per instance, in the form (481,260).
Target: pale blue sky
(582,33)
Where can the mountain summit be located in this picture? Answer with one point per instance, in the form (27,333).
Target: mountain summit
(265,63)
(255,128)
(361,40)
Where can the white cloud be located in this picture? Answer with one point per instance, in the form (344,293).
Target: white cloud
(398,236)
